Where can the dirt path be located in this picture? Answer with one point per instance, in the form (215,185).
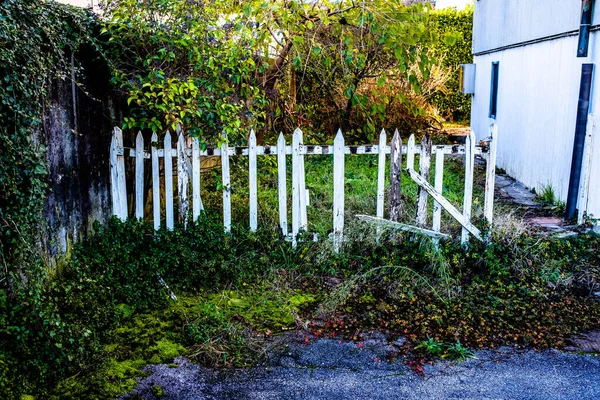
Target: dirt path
(331,369)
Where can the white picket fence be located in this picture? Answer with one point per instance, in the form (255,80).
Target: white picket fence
(188,170)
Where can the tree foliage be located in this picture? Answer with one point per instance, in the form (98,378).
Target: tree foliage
(218,65)
(450,54)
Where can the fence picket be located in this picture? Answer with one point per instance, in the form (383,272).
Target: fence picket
(196,199)
(183,179)
(226,181)
(155,181)
(302,190)
(588,147)
(253,182)
(468,195)
(338,191)
(296,184)
(139,176)
(424,164)
(381,173)
(282,184)
(117,175)
(395,177)
(490,174)
(410,153)
(439,186)
(168,160)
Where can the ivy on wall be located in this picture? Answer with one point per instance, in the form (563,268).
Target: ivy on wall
(37,39)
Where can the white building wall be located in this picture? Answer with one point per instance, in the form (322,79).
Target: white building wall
(538,93)
(499,23)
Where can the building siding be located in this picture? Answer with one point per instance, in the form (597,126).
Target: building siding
(537,107)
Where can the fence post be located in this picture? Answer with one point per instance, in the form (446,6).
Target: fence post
(155,181)
(381,173)
(468,196)
(168,154)
(226,181)
(338,191)
(395,177)
(253,182)
(490,175)
(139,176)
(117,175)
(296,184)
(196,199)
(282,184)
(439,187)
(183,178)
(424,164)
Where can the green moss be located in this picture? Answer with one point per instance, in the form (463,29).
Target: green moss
(165,350)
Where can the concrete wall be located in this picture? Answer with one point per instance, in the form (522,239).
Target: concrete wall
(77,127)
(498,23)
(538,91)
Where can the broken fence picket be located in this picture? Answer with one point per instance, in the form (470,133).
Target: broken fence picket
(190,172)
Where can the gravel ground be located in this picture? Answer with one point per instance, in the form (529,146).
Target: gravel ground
(332,369)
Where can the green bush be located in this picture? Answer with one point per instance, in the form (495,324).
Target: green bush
(453,105)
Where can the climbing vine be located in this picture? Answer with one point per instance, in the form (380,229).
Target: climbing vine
(37,41)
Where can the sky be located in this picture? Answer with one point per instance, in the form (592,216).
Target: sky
(452,3)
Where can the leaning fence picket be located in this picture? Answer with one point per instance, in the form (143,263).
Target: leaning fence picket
(588,146)
(395,177)
(183,179)
(155,181)
(226,181)
(381,174)
(196,199)
(424,164)
(282,185)
(338,190)
(439,186)
(168,181)
(468,195)
(253,182)
(139,176)
(117,175)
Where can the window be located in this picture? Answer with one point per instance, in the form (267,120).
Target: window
(494,90)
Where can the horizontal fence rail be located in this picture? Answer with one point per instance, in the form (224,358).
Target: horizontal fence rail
(187,159)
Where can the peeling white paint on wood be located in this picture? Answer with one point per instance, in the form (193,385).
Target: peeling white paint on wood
(338,191)
(197,205)
(117,175)
(403,227)
(296,138)
(468,195)
(490,175)
(410,152)
(439,186)
(253,189)
(169,183)
(395,177)
(282,184)
(183,179)
(226,182)
(424,164)
(155,181)
(445,203)
(139,176)
(381,173)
